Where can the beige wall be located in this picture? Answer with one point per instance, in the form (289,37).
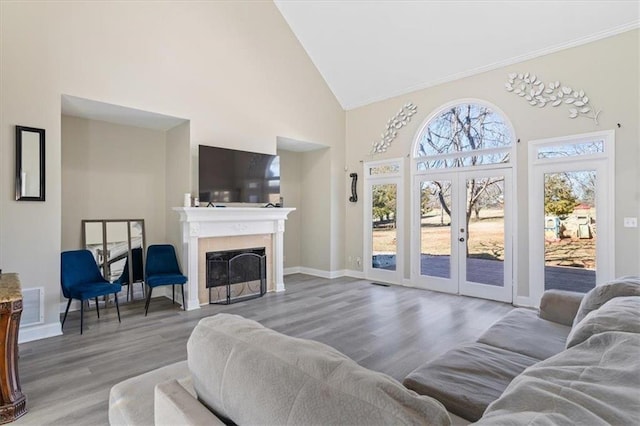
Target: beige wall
(178,181)
(290,190)
(111,171)
(607,70)
(315,217)
(234,69)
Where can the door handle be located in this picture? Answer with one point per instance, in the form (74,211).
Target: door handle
(461,239)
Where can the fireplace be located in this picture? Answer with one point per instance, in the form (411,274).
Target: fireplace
(232,228)
(241,273)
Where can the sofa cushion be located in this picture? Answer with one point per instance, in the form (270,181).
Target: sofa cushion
(131,401)
(468,378)
(594,383)
(560,306)
(253,375)
(524,332)
(598,296)
(618,314)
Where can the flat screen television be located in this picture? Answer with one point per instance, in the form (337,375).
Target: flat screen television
(233,176)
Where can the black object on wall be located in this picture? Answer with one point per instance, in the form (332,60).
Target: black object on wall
(233,176)
(30,164)
(354,181)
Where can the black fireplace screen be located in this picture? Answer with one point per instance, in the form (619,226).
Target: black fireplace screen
(242,273)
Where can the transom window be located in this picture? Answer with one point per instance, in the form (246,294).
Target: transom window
(466,134)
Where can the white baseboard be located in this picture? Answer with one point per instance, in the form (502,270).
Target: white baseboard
(322,273)
(37,332)
(292,270)
(316,272)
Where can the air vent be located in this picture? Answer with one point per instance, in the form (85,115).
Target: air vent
(32,306)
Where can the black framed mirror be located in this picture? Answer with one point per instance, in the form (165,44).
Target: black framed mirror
(30,183)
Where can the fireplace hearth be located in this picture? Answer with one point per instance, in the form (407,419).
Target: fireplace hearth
(242,273)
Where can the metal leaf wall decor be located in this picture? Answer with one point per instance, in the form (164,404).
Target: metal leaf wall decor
(394,124)
(533,90)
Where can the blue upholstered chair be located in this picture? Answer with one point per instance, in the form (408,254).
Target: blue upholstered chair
(81,279)
(162,269)
(138,272)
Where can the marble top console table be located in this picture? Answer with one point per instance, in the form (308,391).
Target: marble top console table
(12,400)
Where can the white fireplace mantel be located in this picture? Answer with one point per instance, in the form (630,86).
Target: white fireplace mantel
(207,222)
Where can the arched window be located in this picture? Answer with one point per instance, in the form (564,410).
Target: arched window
(464,134)
(462,202)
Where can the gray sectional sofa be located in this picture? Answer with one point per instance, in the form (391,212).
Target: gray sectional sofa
(469,377)
(239,371)
(577,361)
(548,366)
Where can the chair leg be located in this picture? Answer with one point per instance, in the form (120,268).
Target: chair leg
(117,307)
(173,294)
(65,313)
(184,306)
(81,315)
(146,305)
(97,308)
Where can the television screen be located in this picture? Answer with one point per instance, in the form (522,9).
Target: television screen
(232,176)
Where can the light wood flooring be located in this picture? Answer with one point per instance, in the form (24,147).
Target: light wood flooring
(389,329)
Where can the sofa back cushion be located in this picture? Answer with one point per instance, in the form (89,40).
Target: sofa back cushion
(622,287)
(253,375)
(560,306)
(618,314)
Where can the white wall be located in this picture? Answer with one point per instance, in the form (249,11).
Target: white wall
(607,70)
(234,69)
(111,171)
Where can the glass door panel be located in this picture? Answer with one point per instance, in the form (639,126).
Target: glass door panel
(570,230)
(485,230)
(484,235)
(435,228)
(384,239)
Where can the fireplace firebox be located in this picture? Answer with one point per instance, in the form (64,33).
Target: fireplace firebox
(243,274)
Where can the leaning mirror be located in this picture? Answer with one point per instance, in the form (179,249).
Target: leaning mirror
(118,248)
(29,164)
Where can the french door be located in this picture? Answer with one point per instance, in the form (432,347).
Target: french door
(383,233)
(464,233)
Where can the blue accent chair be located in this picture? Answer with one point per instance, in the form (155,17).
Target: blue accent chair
(162,269)
(81,279)
(138,272)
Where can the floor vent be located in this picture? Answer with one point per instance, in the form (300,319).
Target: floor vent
(381,284)
(32,306)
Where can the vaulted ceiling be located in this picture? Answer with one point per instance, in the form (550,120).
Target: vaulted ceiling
(371,50)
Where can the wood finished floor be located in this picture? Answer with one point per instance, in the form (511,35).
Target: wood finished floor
(388,329)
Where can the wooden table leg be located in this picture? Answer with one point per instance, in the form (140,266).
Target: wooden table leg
(12,400)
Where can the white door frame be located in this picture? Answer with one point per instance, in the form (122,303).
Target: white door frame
(603,164)
(380,173)
(445,285)
(457,283)
(502,293)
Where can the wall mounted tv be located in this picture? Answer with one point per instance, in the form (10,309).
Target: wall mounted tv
(232,176)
